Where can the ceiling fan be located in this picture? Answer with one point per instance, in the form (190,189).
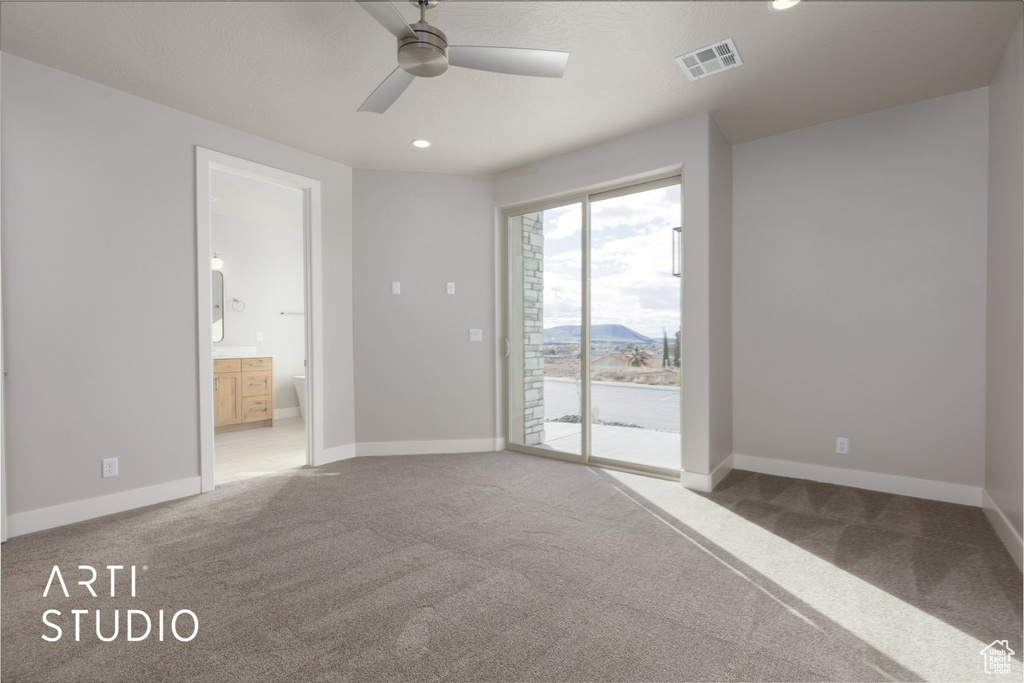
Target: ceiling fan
(423,50)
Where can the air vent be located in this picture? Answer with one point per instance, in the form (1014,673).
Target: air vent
(710,59)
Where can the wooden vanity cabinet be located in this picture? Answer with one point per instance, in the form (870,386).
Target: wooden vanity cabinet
(243,390)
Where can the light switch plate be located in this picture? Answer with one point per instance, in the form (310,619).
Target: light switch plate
(476,335)
(450,288)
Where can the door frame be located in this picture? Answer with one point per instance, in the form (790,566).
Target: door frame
(207,160)
(584,198)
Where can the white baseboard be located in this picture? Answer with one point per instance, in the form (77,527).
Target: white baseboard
(500,444)
(336,453)
(873,481)
(1004,530)
(90,508)
(707,482)
(428,447)
(282,413)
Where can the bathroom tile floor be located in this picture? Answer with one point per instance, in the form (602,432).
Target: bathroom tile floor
(255,452)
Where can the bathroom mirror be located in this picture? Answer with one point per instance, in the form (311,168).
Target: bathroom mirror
(218,306)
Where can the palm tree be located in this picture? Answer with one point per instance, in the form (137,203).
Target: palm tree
(635,356)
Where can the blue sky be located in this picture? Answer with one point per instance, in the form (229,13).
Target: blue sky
(631,262)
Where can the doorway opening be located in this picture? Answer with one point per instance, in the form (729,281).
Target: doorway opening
(256,226)
(595,328)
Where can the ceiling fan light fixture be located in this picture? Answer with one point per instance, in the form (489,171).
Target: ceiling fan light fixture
(782,5)
(426,55)
(422,144)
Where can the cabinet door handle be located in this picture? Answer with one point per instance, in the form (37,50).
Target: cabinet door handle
(216,387)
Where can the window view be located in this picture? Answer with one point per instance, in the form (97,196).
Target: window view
(635,328)
(634,322)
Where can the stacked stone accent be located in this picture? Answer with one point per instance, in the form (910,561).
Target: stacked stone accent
(533,328)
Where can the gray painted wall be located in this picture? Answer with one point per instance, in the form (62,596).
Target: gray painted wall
(720,296)
(417,376)
(99,283)
(1004,461)
(859,291)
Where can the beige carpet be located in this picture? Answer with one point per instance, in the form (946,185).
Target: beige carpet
(502,567)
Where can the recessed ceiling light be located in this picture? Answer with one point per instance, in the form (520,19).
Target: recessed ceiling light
(779,5)
(422,144)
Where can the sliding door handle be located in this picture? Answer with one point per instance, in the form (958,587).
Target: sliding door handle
(508,348)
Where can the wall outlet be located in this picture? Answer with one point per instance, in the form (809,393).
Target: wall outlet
(842,445)
(396,287)
(476,335)
(109,467)
(450,288)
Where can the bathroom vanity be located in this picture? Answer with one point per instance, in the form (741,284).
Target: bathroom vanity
(243,393)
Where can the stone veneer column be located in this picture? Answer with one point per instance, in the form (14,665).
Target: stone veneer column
(533,328)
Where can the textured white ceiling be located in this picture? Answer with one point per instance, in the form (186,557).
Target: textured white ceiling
(296,72)
(258,200)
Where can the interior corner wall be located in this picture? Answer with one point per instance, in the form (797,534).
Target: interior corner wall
(859,292)
(720,296)
(422,384)
(1004,462)
(99,282)
(684,144)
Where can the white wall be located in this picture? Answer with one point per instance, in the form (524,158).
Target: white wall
(859,292)
(720,298)
(99,278)
(686,144)
(1004,462)
(418,377)
(263,266)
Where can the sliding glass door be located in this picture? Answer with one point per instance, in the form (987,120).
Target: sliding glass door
(595,327)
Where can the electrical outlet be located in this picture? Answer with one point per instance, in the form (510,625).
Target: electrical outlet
(109,467)
(842,445)
(396,287)
(476,335)
(450,288)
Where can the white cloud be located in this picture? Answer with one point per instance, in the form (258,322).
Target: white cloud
(631,263)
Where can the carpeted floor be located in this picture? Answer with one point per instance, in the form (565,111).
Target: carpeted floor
(503,567)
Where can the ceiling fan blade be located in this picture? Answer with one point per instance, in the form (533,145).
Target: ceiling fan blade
(521,61)
(388,16)
(387,92)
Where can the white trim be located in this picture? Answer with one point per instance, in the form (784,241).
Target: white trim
(706,483)
(873,481)
(206,160)
(500,444)
(427,447)
(283,413)
(90,508)
(336,453)
(1004,530)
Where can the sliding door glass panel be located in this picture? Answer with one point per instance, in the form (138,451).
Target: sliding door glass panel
(635,328)
(545,323)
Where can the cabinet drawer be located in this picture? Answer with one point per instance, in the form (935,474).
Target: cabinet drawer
(256,383)
(257,364)
(227,365)
(255,409)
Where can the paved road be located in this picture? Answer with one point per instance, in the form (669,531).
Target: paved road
(655,408)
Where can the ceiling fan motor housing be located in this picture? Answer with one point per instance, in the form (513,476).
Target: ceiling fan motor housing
(426,55)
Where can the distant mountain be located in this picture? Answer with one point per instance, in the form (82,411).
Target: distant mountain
(600,334)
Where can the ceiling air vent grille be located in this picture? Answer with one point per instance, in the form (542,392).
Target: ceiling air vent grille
(710,59)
